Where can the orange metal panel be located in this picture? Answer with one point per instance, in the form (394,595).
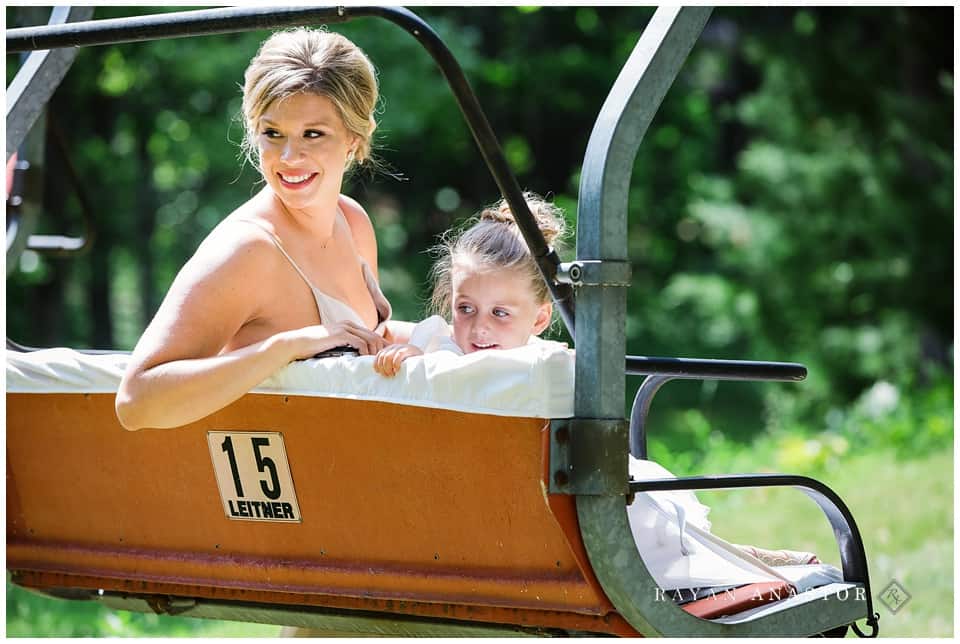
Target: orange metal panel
(398,503)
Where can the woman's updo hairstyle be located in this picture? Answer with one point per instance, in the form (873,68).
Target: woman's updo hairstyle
(311,61)
(494,241)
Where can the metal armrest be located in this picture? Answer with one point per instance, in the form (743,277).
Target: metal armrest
(700,368)
(852,554)
(660,371)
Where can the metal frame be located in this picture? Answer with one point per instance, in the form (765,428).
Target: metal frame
(597,475)
(37,79)
(600,342)
(602,210)
(27,96)
(629,585)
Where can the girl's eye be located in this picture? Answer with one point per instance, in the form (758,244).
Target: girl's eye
(312,134)
(501,313)
(270,133)
(465,309)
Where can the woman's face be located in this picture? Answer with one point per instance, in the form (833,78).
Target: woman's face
(303,147)
(495,309)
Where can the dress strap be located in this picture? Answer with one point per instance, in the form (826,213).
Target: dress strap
(279,245)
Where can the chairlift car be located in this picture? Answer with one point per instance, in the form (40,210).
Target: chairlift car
(491,505)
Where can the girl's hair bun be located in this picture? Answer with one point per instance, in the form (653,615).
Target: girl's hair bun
(549,217)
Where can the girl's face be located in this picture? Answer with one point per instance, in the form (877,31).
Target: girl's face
(303,149)
(495,309)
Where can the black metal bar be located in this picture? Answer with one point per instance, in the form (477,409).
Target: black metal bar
(701,368)
(852,554)
(546,258)
(638,413)
(167,25)
(218,21)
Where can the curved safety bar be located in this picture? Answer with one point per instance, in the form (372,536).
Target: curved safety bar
(853,556)
(660,371)
(841,520)
(640,410)
(216,21)
(630,587)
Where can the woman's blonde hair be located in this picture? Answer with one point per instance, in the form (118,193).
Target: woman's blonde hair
(315,62)
(494,241)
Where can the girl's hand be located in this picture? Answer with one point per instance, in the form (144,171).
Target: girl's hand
(311,340)
(388,360)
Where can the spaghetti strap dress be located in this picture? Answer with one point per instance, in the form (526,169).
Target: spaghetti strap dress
(331,309)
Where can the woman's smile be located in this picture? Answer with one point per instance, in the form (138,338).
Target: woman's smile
(297,182)
(304,147)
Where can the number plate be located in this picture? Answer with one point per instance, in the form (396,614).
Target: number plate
(253,476)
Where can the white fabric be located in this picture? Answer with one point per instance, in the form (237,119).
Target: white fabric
(673,537)
(807,576)
(534,381)
(434,334)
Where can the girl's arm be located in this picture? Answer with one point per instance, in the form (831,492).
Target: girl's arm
(432,334)
(177,373)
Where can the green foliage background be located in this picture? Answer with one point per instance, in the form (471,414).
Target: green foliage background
(792,200)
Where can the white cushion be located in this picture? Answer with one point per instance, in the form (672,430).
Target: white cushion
(533,381)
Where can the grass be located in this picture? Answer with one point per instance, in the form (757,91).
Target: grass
(904,509)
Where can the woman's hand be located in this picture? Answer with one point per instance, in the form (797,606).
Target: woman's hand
(388,360)
(311,340)
(184,367)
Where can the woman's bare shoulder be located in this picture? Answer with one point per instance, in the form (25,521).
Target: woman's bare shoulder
(233,259)
(361,228)
(356,216)
(215,293)
(235,244)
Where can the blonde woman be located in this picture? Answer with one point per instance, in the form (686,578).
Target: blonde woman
(290,273)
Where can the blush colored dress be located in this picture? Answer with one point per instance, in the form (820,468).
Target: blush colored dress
(331,309)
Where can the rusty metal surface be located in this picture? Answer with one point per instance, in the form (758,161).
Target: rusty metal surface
(400,504)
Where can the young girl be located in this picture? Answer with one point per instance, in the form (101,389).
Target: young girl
(486,278)
(489,283)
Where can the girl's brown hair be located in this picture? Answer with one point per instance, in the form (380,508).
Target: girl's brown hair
(494,241)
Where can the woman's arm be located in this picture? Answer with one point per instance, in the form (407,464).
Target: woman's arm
(177,373)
